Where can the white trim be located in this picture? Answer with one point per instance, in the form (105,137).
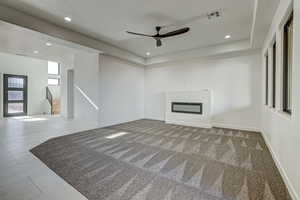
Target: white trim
(192,124)
(201,52)
(287,13)
(283,174)
(282,114)
(253,22)
(214,124)
(238,127)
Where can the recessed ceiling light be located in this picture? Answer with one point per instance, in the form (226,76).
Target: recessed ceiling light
(148,53)
(227,36)
(35,52)
(68,19)
(48,44)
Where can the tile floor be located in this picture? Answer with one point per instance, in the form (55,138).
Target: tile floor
(23,176)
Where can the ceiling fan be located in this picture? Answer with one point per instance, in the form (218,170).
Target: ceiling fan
(159,36)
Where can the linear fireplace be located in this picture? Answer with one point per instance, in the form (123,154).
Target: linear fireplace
(187,107)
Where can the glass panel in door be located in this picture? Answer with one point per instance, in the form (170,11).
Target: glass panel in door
(15,95)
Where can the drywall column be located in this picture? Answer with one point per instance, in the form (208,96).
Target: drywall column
(70,94)
(1,99)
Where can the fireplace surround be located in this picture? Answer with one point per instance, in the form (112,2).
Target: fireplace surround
(190,108)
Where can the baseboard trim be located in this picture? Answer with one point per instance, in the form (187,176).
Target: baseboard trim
(192,124)
(230,126)
(282,172)
(214,124)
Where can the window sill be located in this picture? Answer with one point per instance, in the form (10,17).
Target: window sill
(280,113)
(269,107)
(274,110)
(284,115)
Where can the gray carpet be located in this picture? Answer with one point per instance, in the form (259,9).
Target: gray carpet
(151,160)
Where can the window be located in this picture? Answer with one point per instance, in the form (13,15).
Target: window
(53,68)
(53,73)
(267,78)
(274,77)
(53,81)
(287,65)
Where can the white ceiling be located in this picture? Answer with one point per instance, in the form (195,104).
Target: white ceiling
(108,20)
(21,41)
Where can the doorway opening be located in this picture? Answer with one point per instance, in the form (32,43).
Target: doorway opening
(53,90)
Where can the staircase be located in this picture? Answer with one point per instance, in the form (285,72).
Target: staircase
(54,103)
(56,106)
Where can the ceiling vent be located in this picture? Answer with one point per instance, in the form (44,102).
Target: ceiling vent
(212,15)
(20,54)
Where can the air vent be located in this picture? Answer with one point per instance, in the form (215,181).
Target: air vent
(19,54)
(212,15)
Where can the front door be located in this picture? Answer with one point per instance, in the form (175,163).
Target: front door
(15,95)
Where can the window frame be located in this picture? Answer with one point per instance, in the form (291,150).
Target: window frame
(267,79)
(274,72)
(286,62)
(58,70)
(58,81)
(55,76)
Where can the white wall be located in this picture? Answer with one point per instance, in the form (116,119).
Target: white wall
(234,81)
(55,90)
(121,91)
(189,119)
(281,131)
(107,90)
(37,72)
(86,87)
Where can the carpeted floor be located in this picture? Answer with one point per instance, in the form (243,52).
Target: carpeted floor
(151,160)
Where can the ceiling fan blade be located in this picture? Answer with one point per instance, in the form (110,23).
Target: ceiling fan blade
(173,33)
(140,34)
(158,43)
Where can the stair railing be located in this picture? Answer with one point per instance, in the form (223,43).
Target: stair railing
(49,97)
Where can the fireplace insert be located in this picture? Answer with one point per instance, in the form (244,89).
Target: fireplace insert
(187,107)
